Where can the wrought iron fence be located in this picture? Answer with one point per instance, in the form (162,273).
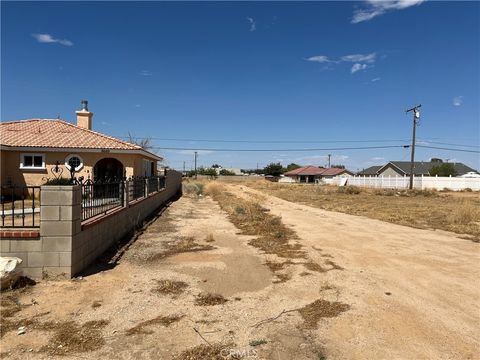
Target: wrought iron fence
(98,198)
(136,188)
(20,206)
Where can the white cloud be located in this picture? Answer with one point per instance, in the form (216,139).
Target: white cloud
(374,8)
(375,80)
(367,58)
(318,58)
(48,39)
(377,158)
(146,73)
(357,67)
(457,100)
(137,105)
(360,60)
(253,25)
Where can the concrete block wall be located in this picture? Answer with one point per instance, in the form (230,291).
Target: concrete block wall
(64,246)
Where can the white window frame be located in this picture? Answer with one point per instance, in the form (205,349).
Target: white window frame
(22,158)
(67,159)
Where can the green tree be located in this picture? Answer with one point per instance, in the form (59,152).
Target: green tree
(338,166)
(225,172)
(211,172)
(274,169)
(292,166)
(445,169)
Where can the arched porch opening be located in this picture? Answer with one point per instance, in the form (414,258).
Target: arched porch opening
(108,169)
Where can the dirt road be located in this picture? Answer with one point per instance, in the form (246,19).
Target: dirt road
(404,293)
(415,293)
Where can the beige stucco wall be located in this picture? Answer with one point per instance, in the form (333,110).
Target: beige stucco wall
(389,172)
(10,165)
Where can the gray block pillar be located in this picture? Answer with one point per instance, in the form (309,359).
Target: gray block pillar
(60,222)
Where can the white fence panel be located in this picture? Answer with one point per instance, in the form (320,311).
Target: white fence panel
(419,182)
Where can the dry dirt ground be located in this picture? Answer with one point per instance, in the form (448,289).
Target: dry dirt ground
(396,293)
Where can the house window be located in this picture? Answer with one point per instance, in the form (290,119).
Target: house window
(74,161)
(32,161)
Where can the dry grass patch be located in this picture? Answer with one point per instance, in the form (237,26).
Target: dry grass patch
(143,327)
(182,245)
(205,352)
(69,337)
(313,312)
(208,299)
(423,209)
(170,287)
(312,266)
(272,236)
(281,278)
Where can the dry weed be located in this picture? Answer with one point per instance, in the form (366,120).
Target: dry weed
(207,299)
(170,287)
(69,337)
(142,328)
(464,214)
(313,312)
(183,245)
(210,238)
(205,352)
(312,266)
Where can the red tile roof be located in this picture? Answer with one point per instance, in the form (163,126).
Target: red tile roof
(53,133)
(332,171)
(306,170)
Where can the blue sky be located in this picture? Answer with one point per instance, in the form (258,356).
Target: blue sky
(324,74)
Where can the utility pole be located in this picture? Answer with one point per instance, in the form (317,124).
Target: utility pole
(329,155)
(416,119)
(184,167)
(195,165)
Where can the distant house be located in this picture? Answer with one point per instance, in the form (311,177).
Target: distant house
(402,168)
(371,171)
(30,151)
(310,174)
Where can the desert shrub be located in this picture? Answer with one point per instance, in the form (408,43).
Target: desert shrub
(213,189)
(385,192)
(58,181)
(239,210)
(467,190)
(464,214)
(192,188)
(350,189)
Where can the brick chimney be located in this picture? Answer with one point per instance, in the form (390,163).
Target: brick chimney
(84,117)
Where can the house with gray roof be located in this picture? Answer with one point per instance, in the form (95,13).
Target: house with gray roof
(402,168)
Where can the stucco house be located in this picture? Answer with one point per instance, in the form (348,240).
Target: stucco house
(310,173)
(31,149)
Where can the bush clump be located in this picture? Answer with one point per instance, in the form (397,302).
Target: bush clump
(350,190)
(58,181)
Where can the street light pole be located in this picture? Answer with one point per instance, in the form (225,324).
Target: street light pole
(416,118)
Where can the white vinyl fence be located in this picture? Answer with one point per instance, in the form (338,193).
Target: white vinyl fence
(399,182)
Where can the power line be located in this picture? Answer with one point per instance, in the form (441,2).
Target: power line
(266,141)
(442,143)
(450,149)
(283,150)
(313,149)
